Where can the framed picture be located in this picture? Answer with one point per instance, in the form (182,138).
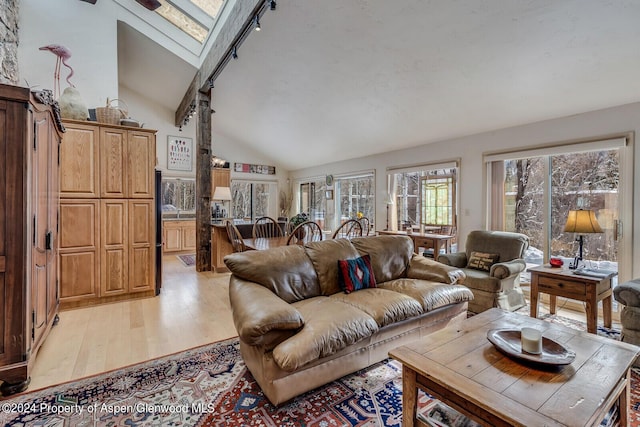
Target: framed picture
(328,195)
(179,153)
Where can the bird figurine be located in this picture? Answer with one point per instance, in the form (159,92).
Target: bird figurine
(63,55)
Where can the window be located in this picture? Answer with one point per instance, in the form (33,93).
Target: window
(253,199)
(531,192)
(425,196)
(355,195)
(178,196)
(313,202)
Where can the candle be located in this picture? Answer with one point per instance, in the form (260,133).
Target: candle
(531,340)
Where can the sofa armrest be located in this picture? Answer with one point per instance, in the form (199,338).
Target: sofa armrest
(456,259)
(502,270)
(424,268)
(257,311)
(628,293)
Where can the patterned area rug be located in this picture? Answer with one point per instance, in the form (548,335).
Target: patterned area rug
(210,386)
(188,260)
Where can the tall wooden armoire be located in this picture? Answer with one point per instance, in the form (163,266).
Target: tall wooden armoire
(30,134)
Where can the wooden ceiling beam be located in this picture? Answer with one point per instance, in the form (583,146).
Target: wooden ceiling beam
(232,31)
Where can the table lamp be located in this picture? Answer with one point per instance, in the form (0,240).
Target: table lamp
(581,221)
(222,194)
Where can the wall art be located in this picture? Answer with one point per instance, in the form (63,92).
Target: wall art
(179,153)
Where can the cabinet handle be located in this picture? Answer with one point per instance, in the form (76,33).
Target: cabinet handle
(48,241)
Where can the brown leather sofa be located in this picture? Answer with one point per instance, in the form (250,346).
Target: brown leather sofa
(298,330)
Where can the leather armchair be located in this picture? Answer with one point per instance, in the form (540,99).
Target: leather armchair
(500,285)
(628,293)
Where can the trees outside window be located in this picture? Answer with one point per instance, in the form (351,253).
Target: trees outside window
(253,199)
(427,197)
(560,183)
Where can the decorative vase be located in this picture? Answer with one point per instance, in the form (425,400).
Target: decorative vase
(72,106)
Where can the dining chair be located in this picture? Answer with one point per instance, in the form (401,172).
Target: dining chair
(366,225)
(235,237)
(306,232)
(348,229)
(266,227)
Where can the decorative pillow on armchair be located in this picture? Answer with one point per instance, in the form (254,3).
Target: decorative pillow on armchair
(356,274)
(482,260)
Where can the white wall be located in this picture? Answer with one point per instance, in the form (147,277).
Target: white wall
(88,31)
(470,150)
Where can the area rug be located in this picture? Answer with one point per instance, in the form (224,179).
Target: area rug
(210,386)
(188,260)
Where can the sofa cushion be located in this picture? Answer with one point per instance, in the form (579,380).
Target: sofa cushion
(385,306)
(286,271)
(390,255)
(355,274)
(324,256)
(431,295)
(482,260)
(330,325)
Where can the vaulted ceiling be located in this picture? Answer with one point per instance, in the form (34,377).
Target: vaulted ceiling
(342,79)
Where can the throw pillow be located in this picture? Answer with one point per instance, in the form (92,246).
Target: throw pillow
(482,260)
(356,274)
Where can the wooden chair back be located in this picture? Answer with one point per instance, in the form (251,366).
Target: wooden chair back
(235,237)
(365,223)
(266,227)
(306,232)
(348,229)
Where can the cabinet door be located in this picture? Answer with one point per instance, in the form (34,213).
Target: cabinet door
(113,163)
(220,178)
(114,268)
(141,245)
(172,237)
(42,240)
(141,163)
(79,168)
(79,249)
(189,236)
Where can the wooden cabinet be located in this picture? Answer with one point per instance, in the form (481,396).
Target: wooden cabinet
(109,242)
(29,190)
(220,177)
(220,247)
(179,235)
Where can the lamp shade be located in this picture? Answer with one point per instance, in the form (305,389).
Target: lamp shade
(222,193)
(582,221)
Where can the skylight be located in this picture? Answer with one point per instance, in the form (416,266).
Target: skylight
(187,22)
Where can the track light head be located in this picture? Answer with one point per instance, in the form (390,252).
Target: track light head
(257,23)
(234,53)
(272,4)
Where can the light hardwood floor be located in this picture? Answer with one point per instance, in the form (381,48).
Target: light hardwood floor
(192,310)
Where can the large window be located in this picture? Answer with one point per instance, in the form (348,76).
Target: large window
(425,197)
(313,202)
(532,192)
(346,196)
(355,196)
(253,199)
(178,197)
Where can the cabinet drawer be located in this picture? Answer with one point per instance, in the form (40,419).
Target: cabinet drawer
(563,287)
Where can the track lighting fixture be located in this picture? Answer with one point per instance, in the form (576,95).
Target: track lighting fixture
(272,4)
(234,53)
(211,85)
(257,22)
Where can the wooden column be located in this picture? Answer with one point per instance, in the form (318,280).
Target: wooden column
(203,181)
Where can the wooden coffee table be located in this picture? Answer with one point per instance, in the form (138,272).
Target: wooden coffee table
(459,366)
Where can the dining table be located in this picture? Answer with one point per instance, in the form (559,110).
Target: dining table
(263,243)
(425,240)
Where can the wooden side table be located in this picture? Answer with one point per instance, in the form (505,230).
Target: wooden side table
(564,283)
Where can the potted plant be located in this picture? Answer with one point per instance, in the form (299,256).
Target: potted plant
(296,220)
